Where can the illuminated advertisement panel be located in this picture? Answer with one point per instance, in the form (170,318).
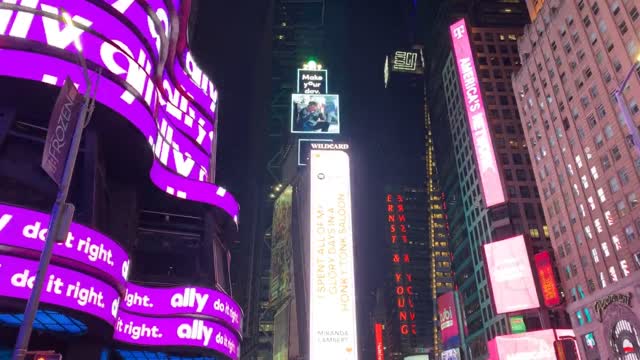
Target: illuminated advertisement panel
(451,354)
(400,265)
(62,287)
(510,276)
(176,331)
(182,301)
(537,345)
(332,332)
(547,279)
(281,247)
(492,188)
(163,94)
(315,114)
(379,342)
(27,229)
(312,81)
(447,314)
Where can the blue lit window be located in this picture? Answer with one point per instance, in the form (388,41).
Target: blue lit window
(47,321)
(579,317)
(573,294)
(580,292)
(587,315)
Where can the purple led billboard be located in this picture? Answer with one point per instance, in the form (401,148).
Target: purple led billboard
(62,287)
(166,96)
(181,301)
(22,228)
(189,332)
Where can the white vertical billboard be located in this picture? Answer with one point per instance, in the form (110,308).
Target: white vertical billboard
(332,332)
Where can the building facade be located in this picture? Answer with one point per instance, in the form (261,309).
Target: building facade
(495,53)
(575,54)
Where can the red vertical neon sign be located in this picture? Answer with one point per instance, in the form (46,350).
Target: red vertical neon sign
(396,218)
(379,343)
(548,283)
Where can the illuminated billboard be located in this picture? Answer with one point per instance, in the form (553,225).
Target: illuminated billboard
(451,354)
(315,114)
(492,188)
(312,81)
(510,276)
(537,345)
(548,285)
(332,322)
(89,273)
(150,80)
(409,61)
(379,342)
(448,317)
(281,247)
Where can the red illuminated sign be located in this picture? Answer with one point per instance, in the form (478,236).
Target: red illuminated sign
(379,343)
(548,284)
(492,188)
(400,258)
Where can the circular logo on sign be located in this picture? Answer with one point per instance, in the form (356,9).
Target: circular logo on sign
(321,176)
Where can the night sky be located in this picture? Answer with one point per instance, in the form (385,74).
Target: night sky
(387,147)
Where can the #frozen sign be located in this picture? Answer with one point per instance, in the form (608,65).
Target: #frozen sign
(332,332)
(492,188)
(173,107)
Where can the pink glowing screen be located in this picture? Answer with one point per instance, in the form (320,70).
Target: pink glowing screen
(530,345)
(492,188)
(510,275)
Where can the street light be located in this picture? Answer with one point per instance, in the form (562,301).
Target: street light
(61,210)
(618,93)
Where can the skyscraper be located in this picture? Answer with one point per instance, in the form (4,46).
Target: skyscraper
(576,55)
(297,34)
(493,41)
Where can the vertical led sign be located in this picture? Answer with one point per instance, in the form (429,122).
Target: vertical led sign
(547,279)
(379,342)
(510,275)
(332,332)
(400,260)
(492,188)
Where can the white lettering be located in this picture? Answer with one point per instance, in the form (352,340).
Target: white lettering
(61,38)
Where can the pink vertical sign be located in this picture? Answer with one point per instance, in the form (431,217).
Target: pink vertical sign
(492,188)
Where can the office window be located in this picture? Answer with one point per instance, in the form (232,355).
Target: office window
(624,176)
(612,274)
(594,172)
(614,185)
(629,233)
(587,314)
(615,153)
(606,164)
(625,268)
(622,208)
(594,255)
(601,195)
(605,249)
(616,242)
(633,200)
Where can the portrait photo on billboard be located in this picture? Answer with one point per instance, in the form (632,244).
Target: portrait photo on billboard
(315,114)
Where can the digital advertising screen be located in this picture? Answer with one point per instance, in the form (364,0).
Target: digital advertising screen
(312,81)
(510,275)
(315,114)
(547,279)
(448,317)
(537,345)
(281,247)
(451,354)
(333,326)
(492,187)
(152,81)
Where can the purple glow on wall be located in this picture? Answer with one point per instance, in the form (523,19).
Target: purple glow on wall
(62,287)
(182,301)
(193,332)
(179,133)
(22,228)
